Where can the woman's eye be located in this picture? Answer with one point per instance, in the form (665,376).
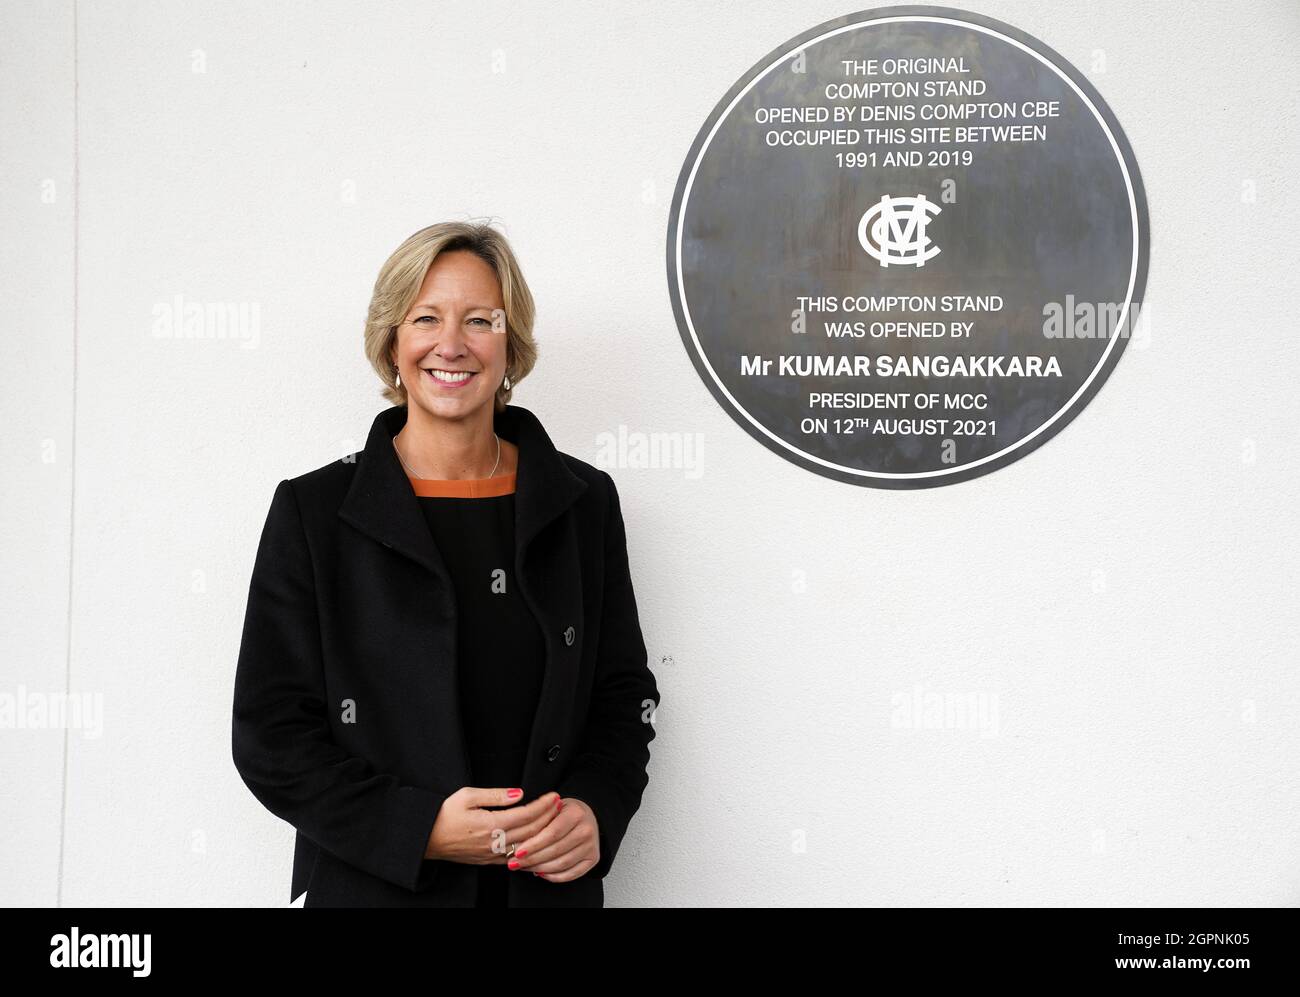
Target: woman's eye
(433,319)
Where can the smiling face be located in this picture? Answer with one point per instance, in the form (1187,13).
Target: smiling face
(451,348)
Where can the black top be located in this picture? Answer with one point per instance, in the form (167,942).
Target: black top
(501,653)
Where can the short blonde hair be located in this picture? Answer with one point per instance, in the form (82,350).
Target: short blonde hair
(399,282)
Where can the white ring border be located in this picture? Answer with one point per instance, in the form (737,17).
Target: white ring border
(1128,297)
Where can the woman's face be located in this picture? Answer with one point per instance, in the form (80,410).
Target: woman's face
(456,326)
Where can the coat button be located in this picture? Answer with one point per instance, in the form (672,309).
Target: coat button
(553,752)
(568,636)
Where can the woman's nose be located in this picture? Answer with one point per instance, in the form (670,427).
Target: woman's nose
(451,340)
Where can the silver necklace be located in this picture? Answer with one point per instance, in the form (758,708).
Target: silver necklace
(414,475)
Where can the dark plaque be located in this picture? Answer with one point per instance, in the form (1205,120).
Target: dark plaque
(908,247)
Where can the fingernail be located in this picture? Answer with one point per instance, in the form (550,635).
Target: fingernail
(559,804)
(522,852)
(512,793)
(513,864)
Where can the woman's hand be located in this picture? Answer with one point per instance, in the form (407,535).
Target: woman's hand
(565,848)
(465,832)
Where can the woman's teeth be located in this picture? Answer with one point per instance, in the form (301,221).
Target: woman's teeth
(459,377)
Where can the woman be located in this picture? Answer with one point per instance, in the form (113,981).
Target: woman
(442,682)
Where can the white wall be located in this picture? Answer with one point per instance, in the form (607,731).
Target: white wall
(1126,595)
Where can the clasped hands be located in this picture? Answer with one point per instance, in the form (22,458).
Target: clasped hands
(554,838)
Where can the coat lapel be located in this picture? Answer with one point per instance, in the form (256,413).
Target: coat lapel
(382,505)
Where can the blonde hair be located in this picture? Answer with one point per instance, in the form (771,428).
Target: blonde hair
(399,282)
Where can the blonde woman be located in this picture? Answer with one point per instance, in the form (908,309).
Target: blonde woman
(442,682)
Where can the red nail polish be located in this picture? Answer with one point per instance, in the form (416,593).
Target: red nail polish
(512,793)
(522,852)
(513,864)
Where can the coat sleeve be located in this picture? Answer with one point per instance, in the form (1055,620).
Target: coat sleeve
(281,739)
(609,771)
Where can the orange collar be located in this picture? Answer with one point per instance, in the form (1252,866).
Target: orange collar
(502,484)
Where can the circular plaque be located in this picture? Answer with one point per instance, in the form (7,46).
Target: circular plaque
(908,247)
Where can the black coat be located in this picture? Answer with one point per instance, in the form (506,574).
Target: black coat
(351,603)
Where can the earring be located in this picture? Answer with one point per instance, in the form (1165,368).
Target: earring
(397,376)
(506,383)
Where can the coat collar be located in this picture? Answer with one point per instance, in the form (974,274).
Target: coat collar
(381,503)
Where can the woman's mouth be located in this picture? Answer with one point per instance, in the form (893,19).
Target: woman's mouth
(449,378)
